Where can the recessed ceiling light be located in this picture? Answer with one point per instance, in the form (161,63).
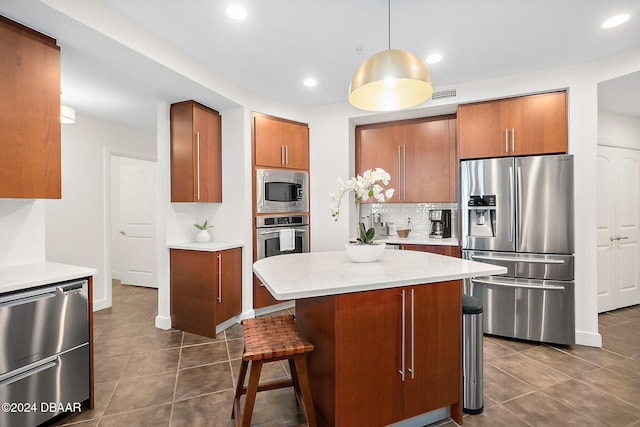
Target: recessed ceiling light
(432,59)
(614,21)
(310,82)
(235,11)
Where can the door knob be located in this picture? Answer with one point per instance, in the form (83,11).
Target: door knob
(123,232)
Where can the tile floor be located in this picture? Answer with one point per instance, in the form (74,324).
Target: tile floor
(148,377)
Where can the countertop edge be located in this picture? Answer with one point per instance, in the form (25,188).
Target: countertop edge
(205,247)
(26,276)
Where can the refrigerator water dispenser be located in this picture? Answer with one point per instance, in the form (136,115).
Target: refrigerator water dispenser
(482,216)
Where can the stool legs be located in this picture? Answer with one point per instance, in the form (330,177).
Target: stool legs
(302,379)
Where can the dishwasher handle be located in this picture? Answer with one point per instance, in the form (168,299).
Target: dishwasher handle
(8,302)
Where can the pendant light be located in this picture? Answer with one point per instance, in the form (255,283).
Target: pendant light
(390,80)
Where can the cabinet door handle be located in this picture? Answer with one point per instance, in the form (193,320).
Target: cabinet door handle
(219,278)
(282,155)
(404,172)
(286,155)
(506,140)
(399,175)
(402,343)
(413,335)
(513,140)
(198,163)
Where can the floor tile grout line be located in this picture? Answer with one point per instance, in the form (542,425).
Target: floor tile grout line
(175,382)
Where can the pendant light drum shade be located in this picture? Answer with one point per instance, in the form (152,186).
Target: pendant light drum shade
(390,80)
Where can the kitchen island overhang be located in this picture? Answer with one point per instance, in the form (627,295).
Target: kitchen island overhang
(387,334)
(315,274)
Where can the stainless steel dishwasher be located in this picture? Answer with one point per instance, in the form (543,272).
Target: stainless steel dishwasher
(44,352)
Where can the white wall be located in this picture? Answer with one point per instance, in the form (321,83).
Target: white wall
(21,231)
(616,130)
(77,226)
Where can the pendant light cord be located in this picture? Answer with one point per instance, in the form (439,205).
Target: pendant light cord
(389,21)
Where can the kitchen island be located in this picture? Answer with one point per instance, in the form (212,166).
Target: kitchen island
(387,334)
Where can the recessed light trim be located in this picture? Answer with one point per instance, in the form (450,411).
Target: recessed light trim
(310,82)
(614,21)
(237,12)
(434,58)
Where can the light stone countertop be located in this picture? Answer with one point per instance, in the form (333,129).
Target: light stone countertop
(206,247)
(25,276)
(314,274)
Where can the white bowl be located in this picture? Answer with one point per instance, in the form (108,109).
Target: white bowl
(364,253)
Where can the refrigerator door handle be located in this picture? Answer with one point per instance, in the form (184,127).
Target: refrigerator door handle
(512,206)
(518,221)
(513,285)
(530,261)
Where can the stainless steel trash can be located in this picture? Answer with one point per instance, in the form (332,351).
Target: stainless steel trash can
(472,363)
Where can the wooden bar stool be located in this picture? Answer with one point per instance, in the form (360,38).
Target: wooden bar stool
(268,339)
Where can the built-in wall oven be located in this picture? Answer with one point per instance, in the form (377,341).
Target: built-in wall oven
(281,191)
(281,234)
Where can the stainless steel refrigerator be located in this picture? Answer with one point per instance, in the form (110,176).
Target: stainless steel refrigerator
(517,212)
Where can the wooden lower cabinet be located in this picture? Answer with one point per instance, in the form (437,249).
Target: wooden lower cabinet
(261,295)
(453,251)
(358,374)
(206,289)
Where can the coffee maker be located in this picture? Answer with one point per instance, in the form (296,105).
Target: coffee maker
(440,223)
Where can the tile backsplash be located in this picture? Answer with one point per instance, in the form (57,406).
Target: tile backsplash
(398,214)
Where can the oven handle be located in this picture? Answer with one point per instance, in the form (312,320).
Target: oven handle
(266,232)
(513,285)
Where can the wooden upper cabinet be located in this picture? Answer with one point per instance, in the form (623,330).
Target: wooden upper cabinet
(196,153)
(375,149)
(535,124)
(418,154)
(29,113)
(280,143)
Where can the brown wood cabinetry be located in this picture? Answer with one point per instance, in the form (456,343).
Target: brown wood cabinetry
(30,113)
(364,371)
(280,143)
(206,289)
(535,124)
(196,153)
(453,251)
(419,155)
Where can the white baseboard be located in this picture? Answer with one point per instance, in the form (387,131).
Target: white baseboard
(100,304)
(589,339)
(273,308)
(163,322)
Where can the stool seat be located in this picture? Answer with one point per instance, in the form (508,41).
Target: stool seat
(269,339)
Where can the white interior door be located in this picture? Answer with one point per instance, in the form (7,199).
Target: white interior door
(618,217)
(137,220)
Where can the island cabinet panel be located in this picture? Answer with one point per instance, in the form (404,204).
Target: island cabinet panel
(535,124)
(205,289)
(280,143)
(453,251)
(419,155)
(30,165)
(196,153)
(358,374)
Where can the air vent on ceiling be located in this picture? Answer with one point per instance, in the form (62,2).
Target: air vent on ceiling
(441,94)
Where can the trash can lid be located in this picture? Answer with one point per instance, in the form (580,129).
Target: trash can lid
(471,305)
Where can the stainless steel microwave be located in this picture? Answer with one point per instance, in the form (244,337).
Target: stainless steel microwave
(281,191)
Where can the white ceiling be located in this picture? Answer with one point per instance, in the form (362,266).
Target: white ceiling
(282,42)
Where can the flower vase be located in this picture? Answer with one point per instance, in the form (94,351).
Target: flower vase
(203,236)
(365,253)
